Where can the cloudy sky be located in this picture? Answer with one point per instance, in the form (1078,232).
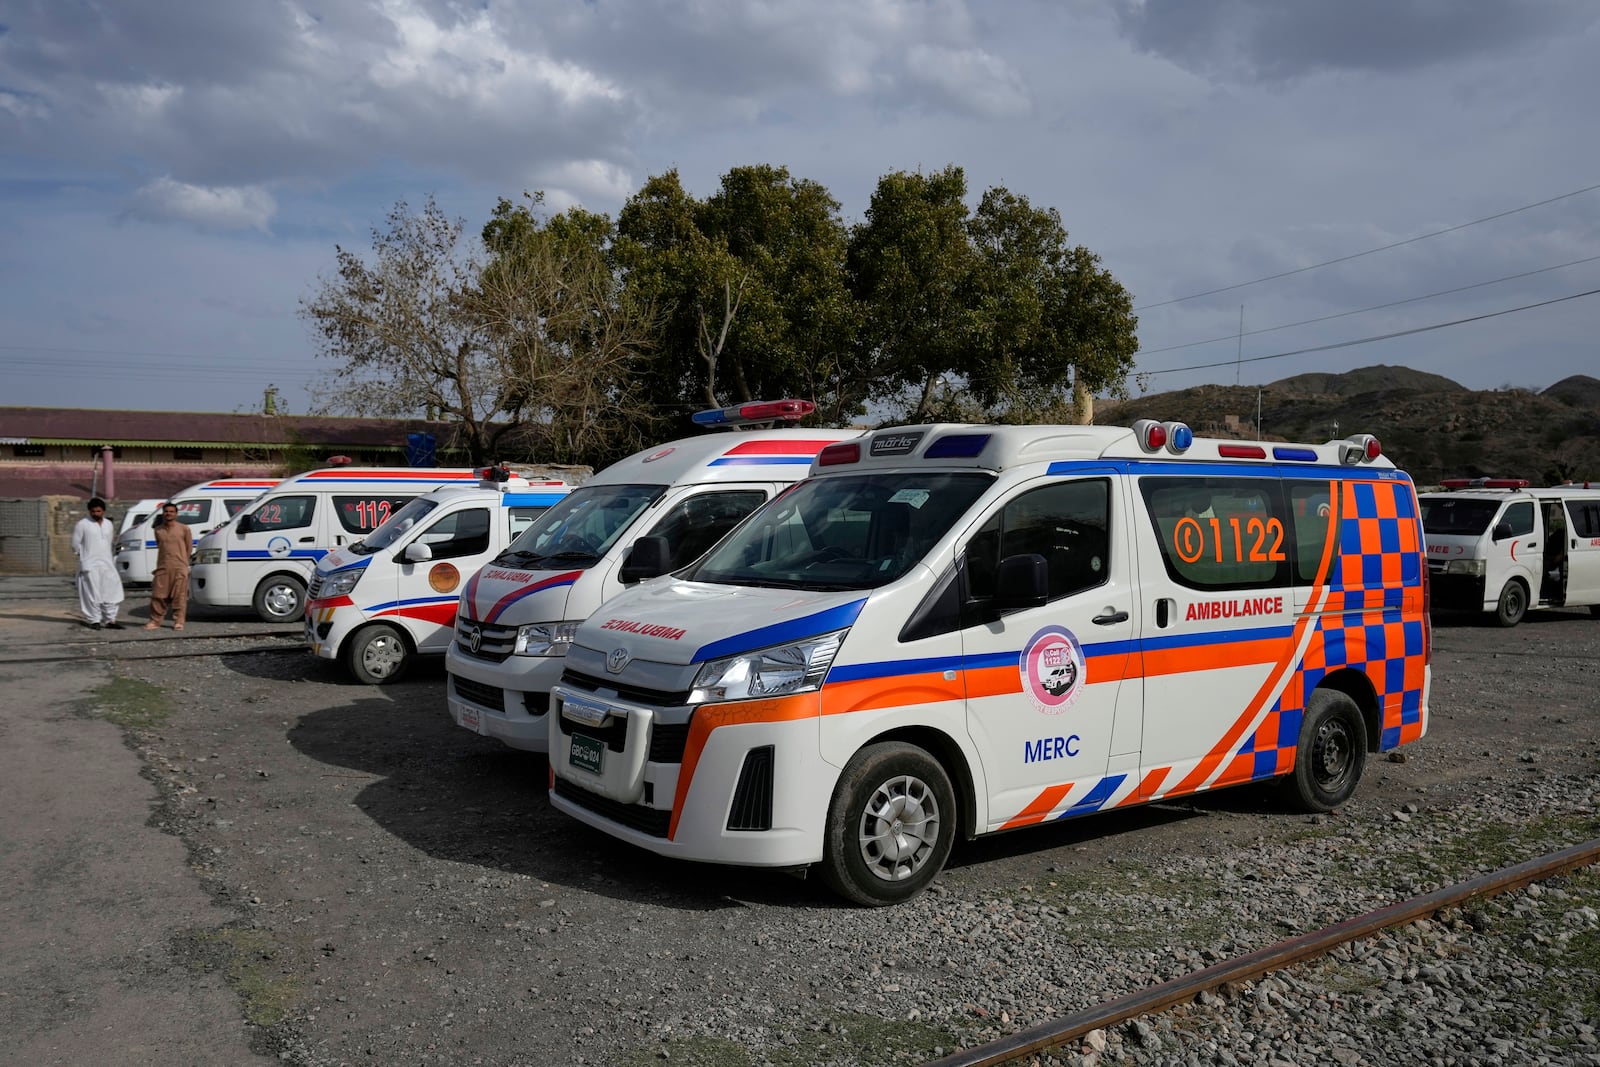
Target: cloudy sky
(175,174)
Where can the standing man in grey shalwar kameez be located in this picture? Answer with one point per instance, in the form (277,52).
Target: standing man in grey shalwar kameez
(99,587)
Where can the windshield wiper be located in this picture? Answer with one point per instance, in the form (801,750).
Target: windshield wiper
(574,555)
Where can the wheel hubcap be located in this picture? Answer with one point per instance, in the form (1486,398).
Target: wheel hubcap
(381,656)
(899,828)
(282,600)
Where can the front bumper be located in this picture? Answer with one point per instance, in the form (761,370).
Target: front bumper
(505,700)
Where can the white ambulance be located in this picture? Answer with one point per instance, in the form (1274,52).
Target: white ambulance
(391,596)
(201,507)
(263,557)
(518,614)
(949,631)
(1497,545)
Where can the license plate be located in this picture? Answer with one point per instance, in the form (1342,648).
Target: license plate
(587,753)
(469,718)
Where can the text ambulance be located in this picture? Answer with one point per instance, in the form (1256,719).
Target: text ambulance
(955,630)
(392,595)
(518,614)
(263,557)
(201,507)
(1495,545)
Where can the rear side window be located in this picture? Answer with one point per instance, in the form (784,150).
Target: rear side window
(1585,516)
(237,505)
(191,512)
(1312,521)
(363,514)
(1221,533)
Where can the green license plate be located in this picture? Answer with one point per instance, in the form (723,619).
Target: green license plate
(586,753)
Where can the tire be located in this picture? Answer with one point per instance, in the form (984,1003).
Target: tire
(1513,604)
(377,655)
(280,598)
(891,824)
(1594,610)
(1330,753)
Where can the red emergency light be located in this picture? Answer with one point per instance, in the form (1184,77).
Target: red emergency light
(839,452)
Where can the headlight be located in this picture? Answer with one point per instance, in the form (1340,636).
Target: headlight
(339,583)
(768,672)
(1465,566)
(209,555)
(545,638)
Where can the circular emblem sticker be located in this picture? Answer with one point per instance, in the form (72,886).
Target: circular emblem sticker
(659,454)
(278,547)
(1053,669)
(444,577)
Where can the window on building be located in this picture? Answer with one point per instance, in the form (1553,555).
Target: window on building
(27,450)
(189,455)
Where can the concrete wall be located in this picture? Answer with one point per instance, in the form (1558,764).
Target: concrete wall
(36,534)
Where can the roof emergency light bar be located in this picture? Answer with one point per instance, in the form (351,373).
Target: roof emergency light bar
(756,412)
(1485,483)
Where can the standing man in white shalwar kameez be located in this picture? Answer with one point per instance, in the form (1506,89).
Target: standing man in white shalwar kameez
(99,588)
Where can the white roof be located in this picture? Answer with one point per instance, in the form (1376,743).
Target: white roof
(724,456)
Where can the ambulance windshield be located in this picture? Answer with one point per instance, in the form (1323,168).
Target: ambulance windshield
(1457,515)
(580,528)
(853,531)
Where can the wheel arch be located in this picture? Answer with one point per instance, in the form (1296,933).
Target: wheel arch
(368,624)
(942,747)
(1358,687)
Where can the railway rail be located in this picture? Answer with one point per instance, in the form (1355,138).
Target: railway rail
(194,646)
(1058,1032)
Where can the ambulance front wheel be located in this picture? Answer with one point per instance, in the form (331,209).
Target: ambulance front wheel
(377,655)
(280,598)
(1513,604)
(1330,754)
(891,823)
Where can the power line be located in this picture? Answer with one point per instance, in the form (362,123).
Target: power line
(1374,307)
(1369,340)
(1368,252)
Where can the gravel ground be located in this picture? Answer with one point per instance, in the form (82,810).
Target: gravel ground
(404,893)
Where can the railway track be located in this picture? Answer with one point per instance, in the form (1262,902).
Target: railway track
(1058,1032)
(153,647)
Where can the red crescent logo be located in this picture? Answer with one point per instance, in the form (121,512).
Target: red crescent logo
(1513,552)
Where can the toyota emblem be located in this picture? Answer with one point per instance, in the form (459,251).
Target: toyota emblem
(474,637)
(617,660)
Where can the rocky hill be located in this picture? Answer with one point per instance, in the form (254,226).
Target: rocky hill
(1429,425)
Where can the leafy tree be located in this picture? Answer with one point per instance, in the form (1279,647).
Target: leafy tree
(523,338)
(750,284)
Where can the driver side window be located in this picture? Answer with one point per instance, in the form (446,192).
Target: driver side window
(700,521)
(1067,523)
(1520,517)
(461,533)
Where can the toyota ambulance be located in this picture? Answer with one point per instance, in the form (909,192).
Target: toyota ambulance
(391,596)
(263,557)
(518,613)
(950,630)
(202,507)
(1497,546)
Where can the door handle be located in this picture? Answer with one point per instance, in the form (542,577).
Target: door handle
(1110,617)
(307,540)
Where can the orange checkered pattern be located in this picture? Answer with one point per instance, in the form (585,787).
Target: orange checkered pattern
(1372,623)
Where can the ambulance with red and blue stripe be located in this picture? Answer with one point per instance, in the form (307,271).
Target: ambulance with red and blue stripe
(377,604)
(202,507)
(954,630)
(262,558)
(655,511)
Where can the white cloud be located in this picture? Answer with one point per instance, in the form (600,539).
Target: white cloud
(212,208)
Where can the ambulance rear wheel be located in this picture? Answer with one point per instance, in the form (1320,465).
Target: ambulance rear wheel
(890,825)
(377,655)
(280,598)
(1330,754)
(1513,604)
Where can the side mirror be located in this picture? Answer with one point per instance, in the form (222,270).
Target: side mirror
(648,558)
(243,526)
(1502,530)
(1021,581)
(417,552)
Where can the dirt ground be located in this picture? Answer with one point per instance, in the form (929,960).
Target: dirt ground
(246,855)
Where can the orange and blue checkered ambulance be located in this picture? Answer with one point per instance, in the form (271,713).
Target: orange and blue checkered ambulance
(947,631)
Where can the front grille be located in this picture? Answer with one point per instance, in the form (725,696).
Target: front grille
(652,821)
(654,698)
(315,589)
(488,696)
(495,644)
(752,797)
